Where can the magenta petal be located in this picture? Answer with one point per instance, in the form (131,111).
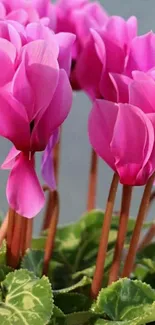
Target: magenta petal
(10,159)
(90,64)
(24,192)
(65,41)
(20,15)
(101,131)
(9,32)
(22,90)
(13,123)
(42,71)
(47,167)
(142,94)
(2,11)
(142,59)
(132,26)
(54,115)
(121,84)
(132,127)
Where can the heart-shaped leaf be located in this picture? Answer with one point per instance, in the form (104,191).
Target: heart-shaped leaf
(33,261)
(127,300)
(25,299)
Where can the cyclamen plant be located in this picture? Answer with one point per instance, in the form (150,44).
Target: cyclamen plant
(95,271)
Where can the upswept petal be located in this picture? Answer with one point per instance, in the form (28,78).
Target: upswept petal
(142,95)
(55,114)
(101,131)
(132,143)
(121,84)
(144,58)
(23,191)
(9,32)
(89,65)
(132,25)
(10,159)
(2,11)
(47,165)
(42,71)
(19,15)
(65,41)
(35,31)
(22,90)
(13,121)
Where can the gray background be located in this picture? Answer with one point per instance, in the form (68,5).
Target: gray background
(75,154)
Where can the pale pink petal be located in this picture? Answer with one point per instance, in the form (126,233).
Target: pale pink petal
(54,115)
(8,32)
(42,71)
(10,159)
(141,55)
(20,29)
(22,90)
(35,31)
(19,15)
(132,25)
(65,41)
(101,131)
(23,191)
(116,27)
(2,11)
(8,48)
(6,68)
(121,84)
(132,143)
(13,123)
(140,75)
(142,95)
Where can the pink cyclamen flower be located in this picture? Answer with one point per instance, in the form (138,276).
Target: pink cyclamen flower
(78,17)
(104,53)
(35,100)
(124,137)
(24,11)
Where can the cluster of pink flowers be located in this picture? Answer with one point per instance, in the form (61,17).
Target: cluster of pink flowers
(46,51)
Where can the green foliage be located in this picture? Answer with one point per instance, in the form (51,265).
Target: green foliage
(25,299)
(63,298)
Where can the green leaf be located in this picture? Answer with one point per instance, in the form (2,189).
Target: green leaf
(4,270)
(80,318)
(85,281)
(58,317)
(72,302)
(109,322)
(33,261)
(127,300)
(38,243)
(25,299)
(3,253)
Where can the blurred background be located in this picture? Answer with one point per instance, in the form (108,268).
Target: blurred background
(75,153)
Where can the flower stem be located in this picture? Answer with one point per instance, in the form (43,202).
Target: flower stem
(92,186)
(99,271)
(3,229)
(144,206)
(10,230)
(16,242)
(123,223)
(27,228)
(51,233)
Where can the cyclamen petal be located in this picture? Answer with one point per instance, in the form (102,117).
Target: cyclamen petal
(65,41)
(28,198)
(47,166)
(142,94)
(10,159)
(42,69)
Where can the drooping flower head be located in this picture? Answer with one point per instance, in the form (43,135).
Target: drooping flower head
(123,134)
(105,52)
(36,97)
(78,17)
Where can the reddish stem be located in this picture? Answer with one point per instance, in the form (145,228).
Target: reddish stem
(123,224)
(143,209)
(92,186)
(27,228)
(147,238)
(51,233)
(16,242)
(3,229)
(10,230)
(99,271)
